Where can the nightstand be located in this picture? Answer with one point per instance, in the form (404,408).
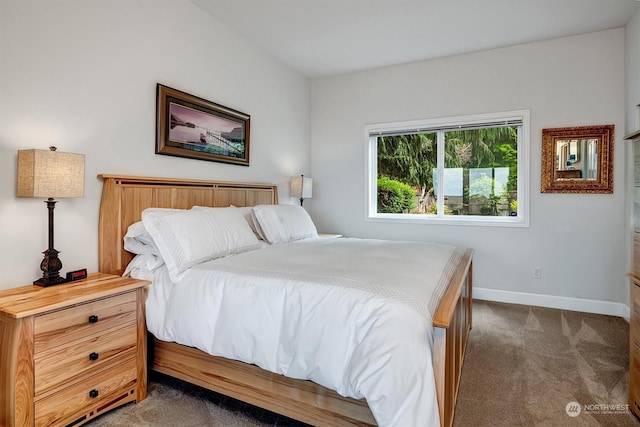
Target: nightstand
(71,352)
(634,347)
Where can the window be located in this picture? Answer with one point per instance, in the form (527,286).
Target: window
(458,170)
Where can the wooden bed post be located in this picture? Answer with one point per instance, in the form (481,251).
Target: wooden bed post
(451,327)
(439,363)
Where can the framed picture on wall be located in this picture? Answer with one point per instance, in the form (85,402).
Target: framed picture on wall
(189,126)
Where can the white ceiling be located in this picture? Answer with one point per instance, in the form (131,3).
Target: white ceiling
(326,37)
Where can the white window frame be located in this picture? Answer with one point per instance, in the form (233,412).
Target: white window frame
(371,167)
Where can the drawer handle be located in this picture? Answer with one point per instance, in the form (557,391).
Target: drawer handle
(94,356)
(93,319)
(93,393)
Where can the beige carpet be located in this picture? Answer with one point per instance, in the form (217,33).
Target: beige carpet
(524,365)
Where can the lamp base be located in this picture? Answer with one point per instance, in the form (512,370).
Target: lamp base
(44,282)
(50,266)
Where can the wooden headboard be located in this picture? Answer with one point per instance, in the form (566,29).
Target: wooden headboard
(125,197)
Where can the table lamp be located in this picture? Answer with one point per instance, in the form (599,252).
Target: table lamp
(50,174)
(301,187)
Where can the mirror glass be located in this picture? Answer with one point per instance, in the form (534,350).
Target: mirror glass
(577,159)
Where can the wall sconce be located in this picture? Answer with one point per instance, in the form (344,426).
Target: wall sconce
(50,174)
(301,187)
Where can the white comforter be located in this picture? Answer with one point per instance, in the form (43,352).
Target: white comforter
(352,315)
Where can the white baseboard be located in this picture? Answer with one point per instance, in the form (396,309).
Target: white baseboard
(550,301)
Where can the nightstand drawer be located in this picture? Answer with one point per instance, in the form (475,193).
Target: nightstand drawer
(634,358)
(71,324)
(107,388)
(635,305)
(60,366)
(634,390)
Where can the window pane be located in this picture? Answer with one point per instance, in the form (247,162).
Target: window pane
(480,176)
(405,173)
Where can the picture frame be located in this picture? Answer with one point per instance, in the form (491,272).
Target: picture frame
(577,159)
(193,127)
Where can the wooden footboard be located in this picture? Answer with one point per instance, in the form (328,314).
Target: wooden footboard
(452,324)
(123,200)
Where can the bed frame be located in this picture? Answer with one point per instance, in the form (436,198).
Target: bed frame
(123,200)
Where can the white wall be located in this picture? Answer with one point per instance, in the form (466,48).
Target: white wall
(576,239)
(81,75)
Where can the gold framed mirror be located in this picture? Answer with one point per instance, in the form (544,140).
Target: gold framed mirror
(577,159)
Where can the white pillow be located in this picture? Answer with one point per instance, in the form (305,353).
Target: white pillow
(143,264)
(187,238)
(283,223)
(247,213)
(138,241)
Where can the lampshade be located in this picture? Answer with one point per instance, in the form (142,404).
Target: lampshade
(301,187)
(50,173)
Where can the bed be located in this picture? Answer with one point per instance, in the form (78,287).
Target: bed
(123,200)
